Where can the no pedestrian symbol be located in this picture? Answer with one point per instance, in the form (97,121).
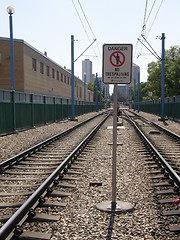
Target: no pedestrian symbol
(117,63)
(117,58)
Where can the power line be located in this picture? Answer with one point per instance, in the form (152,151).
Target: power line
(151,10)
(155,16)
(155,53)
(85,50)
(89,25)
(143,33)
(148,48)
(86,18)
(81,21)
(144,21)
(85,28)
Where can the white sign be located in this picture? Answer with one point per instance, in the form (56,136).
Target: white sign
(117,63)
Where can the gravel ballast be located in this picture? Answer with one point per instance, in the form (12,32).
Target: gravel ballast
(81,219)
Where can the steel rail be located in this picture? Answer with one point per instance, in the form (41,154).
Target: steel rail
(173,175)
(12,226)
(21,156)
(168,132)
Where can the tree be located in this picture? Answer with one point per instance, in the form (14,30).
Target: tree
(154,79)
(172,74)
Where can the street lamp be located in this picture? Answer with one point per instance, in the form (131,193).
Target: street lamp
(84,88)
(10,11)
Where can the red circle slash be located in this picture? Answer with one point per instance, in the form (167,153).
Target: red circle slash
(117,58)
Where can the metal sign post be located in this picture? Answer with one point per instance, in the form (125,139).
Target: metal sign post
(114,148)
(117,69)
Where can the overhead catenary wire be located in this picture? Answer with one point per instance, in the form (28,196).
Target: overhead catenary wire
(154,52)
(144,20)
(155,16)
(150,11)
(143,32)
(148,49)
(85,50)
(85,28)
(81,21)
(89,26)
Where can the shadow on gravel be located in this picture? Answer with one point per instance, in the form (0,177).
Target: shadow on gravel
(110,225)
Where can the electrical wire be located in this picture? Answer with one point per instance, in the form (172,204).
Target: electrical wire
(149,49)
(155,53)
(143,32)
(155,17)
(89,26)
(86,19)
(81,21)
(150,11)
(85,28)
(144,20)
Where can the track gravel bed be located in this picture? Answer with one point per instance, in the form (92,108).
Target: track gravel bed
(169,124)
(81,220)
(19,141)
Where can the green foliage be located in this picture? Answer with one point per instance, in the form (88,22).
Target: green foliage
(91,87)
(101,92)
(172,76)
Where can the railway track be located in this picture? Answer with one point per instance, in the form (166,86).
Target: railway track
(161,151)
(88,182)
(35,182)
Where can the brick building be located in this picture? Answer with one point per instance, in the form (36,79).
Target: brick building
(35,72)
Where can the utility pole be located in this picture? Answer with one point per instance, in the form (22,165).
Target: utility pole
(96,86)
(134,94)
(162,76)
(72,78)
(162,58)
(138,91)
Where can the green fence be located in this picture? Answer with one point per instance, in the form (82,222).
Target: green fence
(171,107)
(20,110)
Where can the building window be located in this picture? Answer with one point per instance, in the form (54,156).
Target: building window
(80,92)
(61,77)
(41,68)
(57,75)
(77,92)
(47,71)
(34,64)
(53,73)
(64,78)
(68,81)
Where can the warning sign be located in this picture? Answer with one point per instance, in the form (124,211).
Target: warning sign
(117,58)
(117,63)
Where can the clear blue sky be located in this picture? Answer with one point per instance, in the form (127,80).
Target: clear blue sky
(48,26)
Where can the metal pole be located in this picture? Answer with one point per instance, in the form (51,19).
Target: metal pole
(162,76)
(100,102)
(134,94)
(11,51)
(129,96)
(106,91)
(96,92)
(72,78)
(12,67)
(114,148)
(138,91)
(84,87)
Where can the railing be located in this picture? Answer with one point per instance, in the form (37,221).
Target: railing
(19,110)
(171,107)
